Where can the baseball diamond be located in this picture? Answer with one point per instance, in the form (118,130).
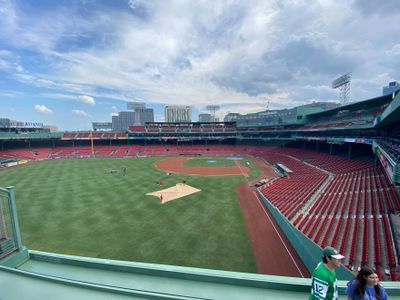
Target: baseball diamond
(255,206)
(90,189)
(199,150)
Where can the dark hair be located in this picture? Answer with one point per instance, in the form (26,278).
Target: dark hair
(361,280)
(326,258)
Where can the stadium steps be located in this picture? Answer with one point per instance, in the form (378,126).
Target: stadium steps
(305,209)
(319,168)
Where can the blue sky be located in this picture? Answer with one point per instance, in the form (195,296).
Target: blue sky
(67,63)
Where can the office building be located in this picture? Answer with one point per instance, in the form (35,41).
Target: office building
(206,118)
(135,105)
(393,86)
(178,113)
(123,120)
(143,115)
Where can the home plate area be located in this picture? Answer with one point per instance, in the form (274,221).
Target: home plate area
(175,192)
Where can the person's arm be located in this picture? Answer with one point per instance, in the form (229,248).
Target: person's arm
(384,294)
(350,290)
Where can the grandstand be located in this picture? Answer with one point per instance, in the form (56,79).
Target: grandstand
(342,188)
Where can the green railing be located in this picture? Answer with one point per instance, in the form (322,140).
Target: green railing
(12,252)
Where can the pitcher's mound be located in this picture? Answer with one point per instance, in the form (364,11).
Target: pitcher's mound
(175,192)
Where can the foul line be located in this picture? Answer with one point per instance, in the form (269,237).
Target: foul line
(240,168)
(284,244)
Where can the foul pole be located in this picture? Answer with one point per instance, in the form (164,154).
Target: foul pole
(91,141)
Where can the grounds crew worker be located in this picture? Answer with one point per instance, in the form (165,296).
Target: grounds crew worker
(324,282)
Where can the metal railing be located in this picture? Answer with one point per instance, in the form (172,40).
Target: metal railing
(10,238)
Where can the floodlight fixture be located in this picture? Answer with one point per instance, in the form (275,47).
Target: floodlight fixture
(343,84)
(213,109)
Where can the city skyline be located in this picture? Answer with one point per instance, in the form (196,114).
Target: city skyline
(70,63)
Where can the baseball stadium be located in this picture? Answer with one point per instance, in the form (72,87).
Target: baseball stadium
(201,210)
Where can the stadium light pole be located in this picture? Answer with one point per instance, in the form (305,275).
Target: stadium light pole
(343,84)
(213,109)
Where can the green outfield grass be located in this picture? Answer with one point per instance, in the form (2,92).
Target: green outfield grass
(77,207)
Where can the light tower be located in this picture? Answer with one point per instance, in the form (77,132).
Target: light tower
(213,109)
(343,84)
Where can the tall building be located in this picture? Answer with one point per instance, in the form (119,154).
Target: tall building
(123,120)
(143,115)
(135,105)
(206,118)
(230,117)
(178,113)
(393,86)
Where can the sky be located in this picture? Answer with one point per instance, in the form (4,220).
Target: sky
(70,62)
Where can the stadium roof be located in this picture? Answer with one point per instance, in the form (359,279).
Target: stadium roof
(354,106)
(391,115)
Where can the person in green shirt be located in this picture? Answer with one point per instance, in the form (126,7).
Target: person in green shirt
(324,282)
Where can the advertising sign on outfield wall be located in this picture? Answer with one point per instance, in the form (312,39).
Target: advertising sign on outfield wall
(358,141)
(387,163)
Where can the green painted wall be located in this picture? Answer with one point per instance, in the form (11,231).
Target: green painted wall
(15,259)
(309,252)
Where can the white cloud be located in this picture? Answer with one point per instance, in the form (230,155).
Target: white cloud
(134,3)
(10,62)
(114,107)
(7,15)
(8,93)
(43,109)
(232,53)
(80,113)
(394,51)
(87,100)
(113,114)
(184,59)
